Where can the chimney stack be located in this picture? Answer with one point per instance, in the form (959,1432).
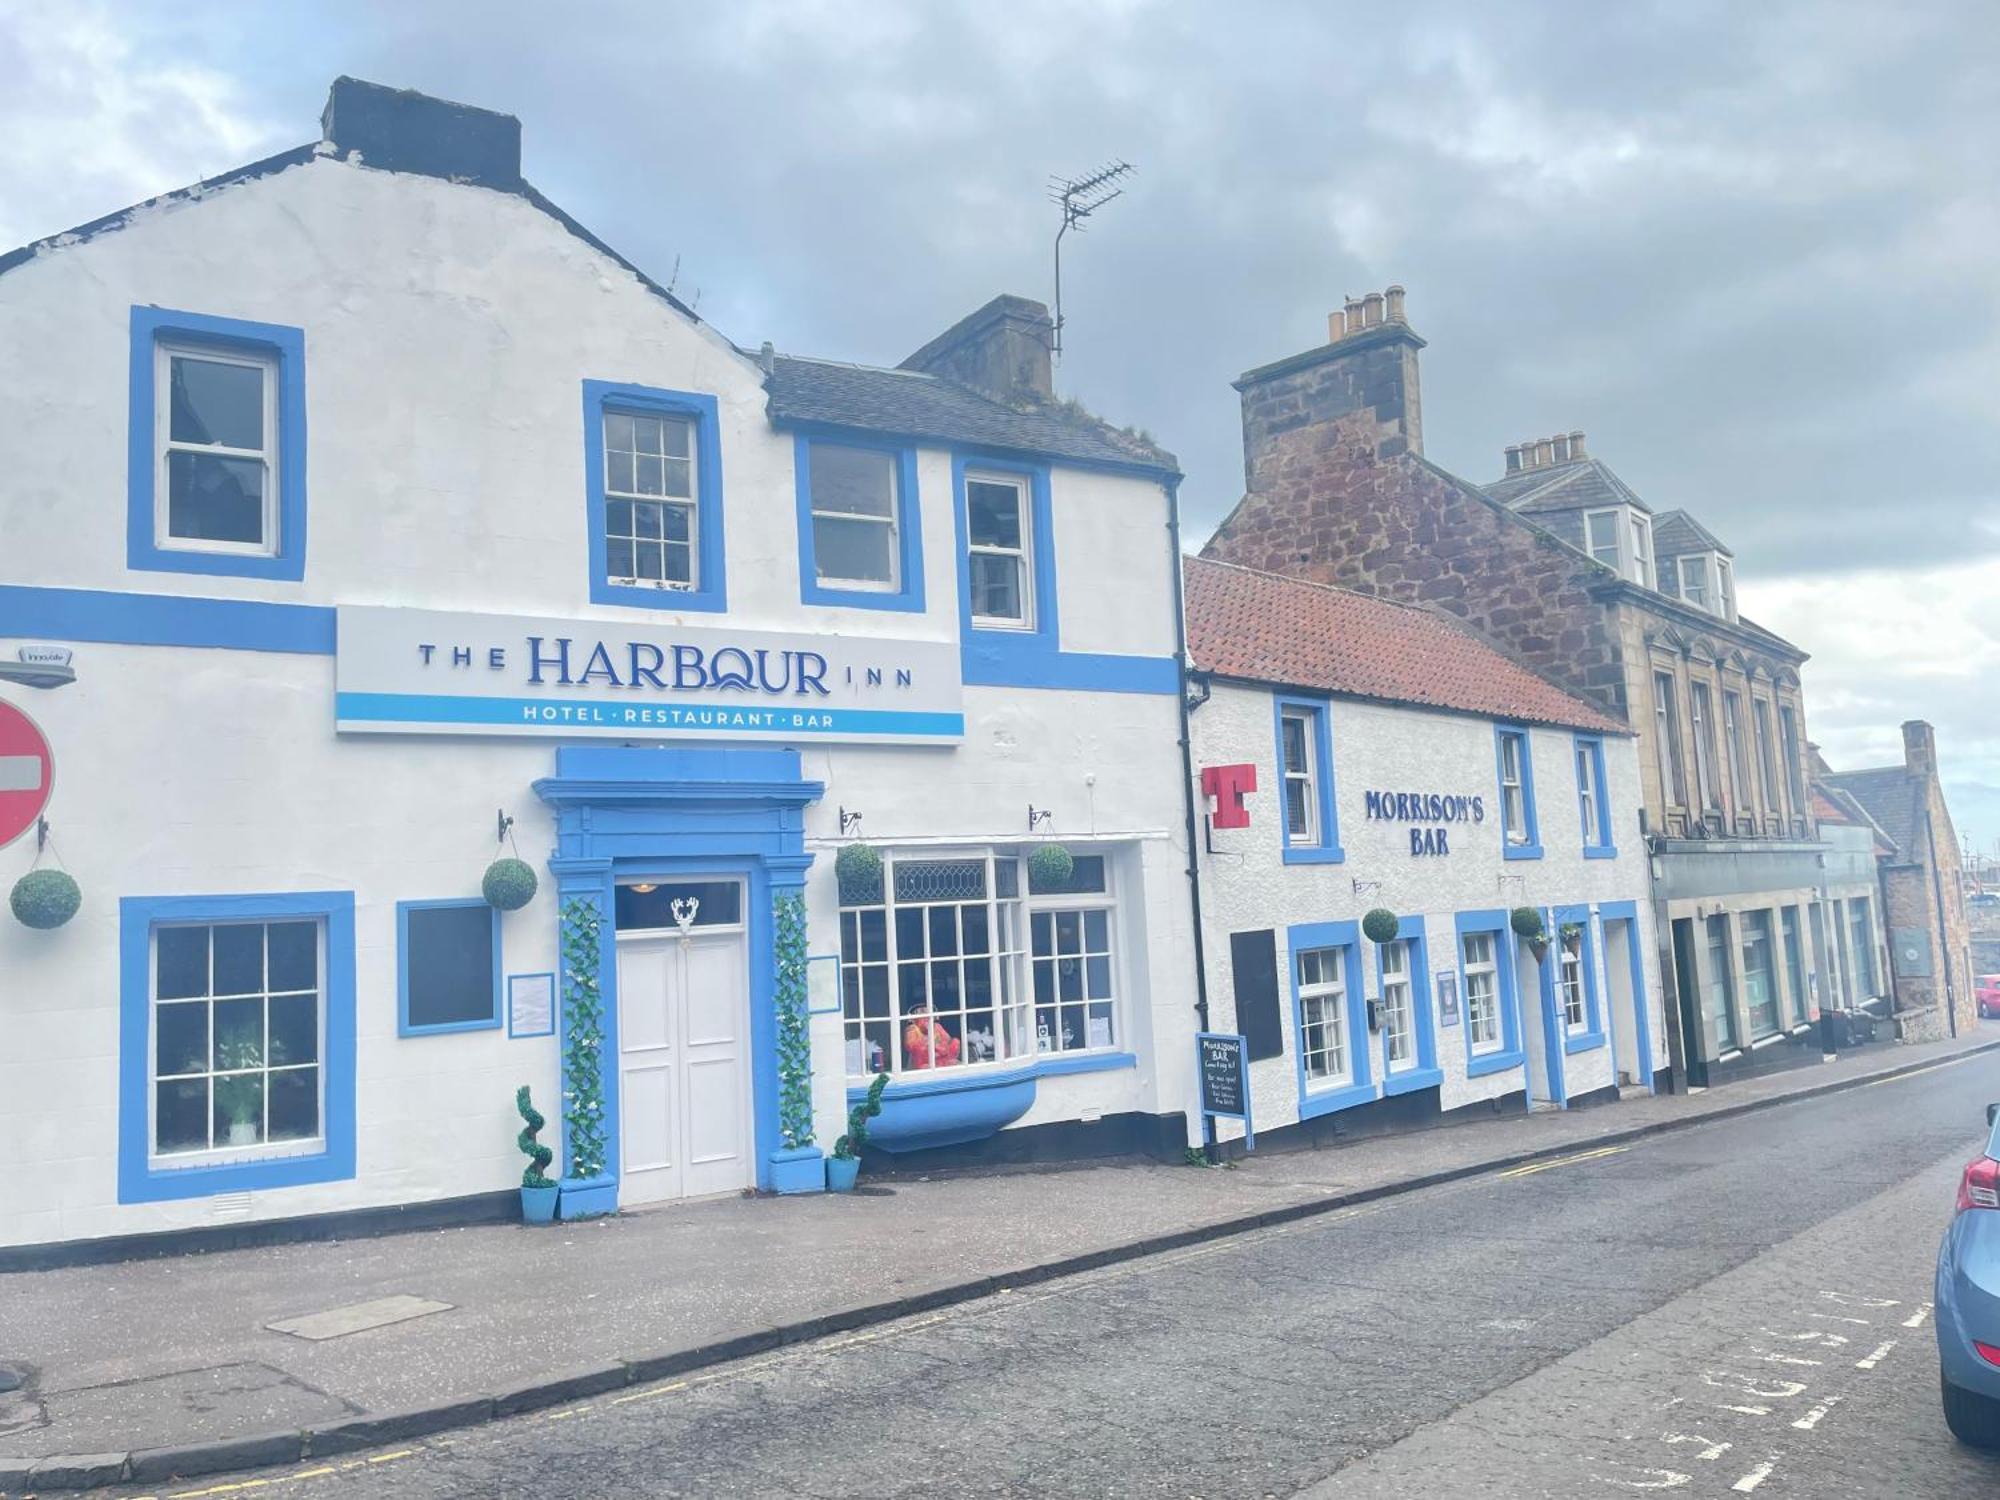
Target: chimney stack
(1545,452)
(1576,445)
(404,131)
(1364,377)
(1002,350)
(1514,459)
(1541,453)
(1919,748)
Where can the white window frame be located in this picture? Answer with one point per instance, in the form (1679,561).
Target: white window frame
(1707,786)
(165,351)
(1666,730)
(1616,515)
(691,502)
(1399,1017)
(1738,749)
(1023,556)
(1725,588)
(1328,997)
(1570,990)
(1642,550)
(1695,590)
(1482,1019)
(892,524)
(1587,792)
(265,1150)
(1083,903)
(1307,776)
(1514,788)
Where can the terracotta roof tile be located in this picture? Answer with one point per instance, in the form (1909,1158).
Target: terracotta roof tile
(1265,628)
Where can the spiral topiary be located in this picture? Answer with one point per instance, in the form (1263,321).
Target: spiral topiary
(539,1156)
(44,899)
(858,868)
(1381,925)
(1050,868)
(1527,923)
(509,884)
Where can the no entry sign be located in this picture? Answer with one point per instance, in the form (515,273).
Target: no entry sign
(27,773)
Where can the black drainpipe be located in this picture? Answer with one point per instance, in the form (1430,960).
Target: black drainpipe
(1187,751)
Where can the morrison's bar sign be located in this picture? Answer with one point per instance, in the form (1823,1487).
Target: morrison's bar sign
(412,671)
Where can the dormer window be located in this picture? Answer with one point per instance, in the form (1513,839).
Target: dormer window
(1621,537)
(1707,583)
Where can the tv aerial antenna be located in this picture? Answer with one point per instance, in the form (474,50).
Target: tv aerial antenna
(1079,198)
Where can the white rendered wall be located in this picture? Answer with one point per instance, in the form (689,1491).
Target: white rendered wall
(448,331)
(1246,885)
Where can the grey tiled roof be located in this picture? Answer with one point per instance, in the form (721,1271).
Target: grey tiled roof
(1579,484)
(1676,533)
(909,403)
(1893,798)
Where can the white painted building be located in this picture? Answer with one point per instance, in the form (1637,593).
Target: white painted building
(395,523)
(1360,755)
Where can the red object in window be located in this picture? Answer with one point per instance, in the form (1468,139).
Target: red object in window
(1980,1187)
(927,1044)
(1227,786)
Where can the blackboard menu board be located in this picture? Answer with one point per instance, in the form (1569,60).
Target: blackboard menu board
(1222,1074)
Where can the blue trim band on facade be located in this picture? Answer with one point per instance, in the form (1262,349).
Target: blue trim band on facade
(711,593)
(1411,1081)
(1628,912)
(908,596)
(1532,849)
(1043,640)
(1597,842)
(487,1023)
(61,614)
(1553,1033)
(139,1180)
(1359,1089)
(1593,1034)
(423,708)
(985,664)
(1509,1054)
(144,552)
(1320,711)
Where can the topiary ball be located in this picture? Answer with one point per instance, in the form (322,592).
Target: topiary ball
(1381,925)
(1527,923)
(1050,867)
(858,866)
(44,899)
(509,884)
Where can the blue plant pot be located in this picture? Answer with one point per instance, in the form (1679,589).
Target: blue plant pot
(587,1197)
(797,1171)
(538,1205)
(841,1172)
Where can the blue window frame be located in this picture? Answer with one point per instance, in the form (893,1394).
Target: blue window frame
(1423,1071)
(1037,636)
(1593,798)
(452,949)
(1514,764)
(1308,823)
(216,446)
(1330,1036)
(1588,1032)
(667,512)
(218,1022)
(1495,1048)
(887,538)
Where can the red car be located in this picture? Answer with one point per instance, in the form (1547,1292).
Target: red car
(1988,987)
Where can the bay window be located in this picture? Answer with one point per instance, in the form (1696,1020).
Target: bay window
(1621,537)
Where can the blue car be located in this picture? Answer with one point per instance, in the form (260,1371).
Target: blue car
(1968,1300)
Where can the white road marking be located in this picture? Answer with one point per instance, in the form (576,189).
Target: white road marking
(1735,1380)
(1788,1359)
(1916,1319)
(1846,1301)
(1662,1479)
(1875,1357)
(1755,1477)
(1710,1451)
(1810,1336)
(1748,1411)
(1812,1418)
(1837,1318)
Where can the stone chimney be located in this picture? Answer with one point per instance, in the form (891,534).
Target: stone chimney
(1001,350)
(1919,748)
(1363,376)
(401,130)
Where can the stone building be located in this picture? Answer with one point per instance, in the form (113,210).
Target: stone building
(1923,898)
(1567,570)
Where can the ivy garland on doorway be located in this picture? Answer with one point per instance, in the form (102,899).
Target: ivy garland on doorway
(795,1125)
(583,1014)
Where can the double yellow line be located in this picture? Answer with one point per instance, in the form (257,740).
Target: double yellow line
(1562,1161)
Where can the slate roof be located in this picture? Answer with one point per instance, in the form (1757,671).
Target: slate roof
(1676,533)
(1579,484)
(1893,800)
(910,403)
(1261,627)
(1832,805)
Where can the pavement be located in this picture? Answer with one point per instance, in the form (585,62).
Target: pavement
(168,1368)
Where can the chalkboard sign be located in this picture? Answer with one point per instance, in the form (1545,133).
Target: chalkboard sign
(1224,1067)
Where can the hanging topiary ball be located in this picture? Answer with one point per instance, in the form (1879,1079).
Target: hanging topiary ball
(1050,867)
(44,899)
(509,884)
(858,868)
(1527,923)
(1381,925)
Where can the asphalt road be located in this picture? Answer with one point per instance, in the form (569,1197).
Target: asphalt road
(1739,1308)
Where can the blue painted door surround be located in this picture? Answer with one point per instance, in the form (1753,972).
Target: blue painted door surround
(630,813)
(1552,1021)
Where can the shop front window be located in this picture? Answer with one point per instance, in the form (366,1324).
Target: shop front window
(1760,989)
(1482,992)
(1399,1038)
(946,963)
(1323,1015)
(1795,961)
(1722,1013)
(1863,932)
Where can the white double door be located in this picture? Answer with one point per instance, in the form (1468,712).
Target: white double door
(683,1065)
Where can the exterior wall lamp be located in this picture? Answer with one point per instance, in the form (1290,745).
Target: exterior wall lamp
(40,667)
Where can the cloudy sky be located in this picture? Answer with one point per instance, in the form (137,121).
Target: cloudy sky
(1750,249)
